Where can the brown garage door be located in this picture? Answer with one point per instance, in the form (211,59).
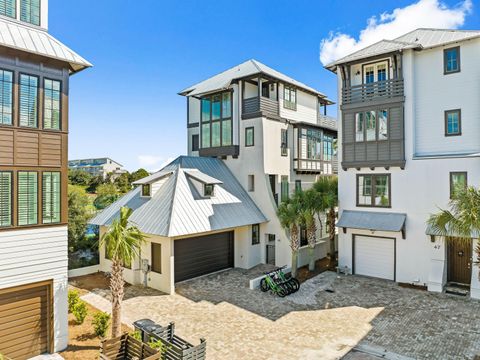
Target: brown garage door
(24,320)
(203,255)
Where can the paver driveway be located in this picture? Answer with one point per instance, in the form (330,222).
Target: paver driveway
(239,323)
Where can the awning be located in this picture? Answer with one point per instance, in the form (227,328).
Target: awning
(371,220)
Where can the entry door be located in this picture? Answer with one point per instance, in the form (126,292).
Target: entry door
(459,261)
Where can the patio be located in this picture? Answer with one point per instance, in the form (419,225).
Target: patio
(239,323)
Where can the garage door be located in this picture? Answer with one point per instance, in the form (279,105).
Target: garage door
(24,321)
(203,255)
(374,256)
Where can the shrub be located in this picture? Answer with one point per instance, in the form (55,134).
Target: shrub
(80,311)
(101,322)
(137,335)
(158,345)
(73,298)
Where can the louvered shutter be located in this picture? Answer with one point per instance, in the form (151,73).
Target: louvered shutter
(7,8)
(28,100)
(51,197)
(27,198)
(5,199)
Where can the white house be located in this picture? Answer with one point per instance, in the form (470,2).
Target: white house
(98,167)
(408,136)
(34,78)
(254,135)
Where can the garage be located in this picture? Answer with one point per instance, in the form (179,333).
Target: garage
(203,255)
(25,320)
(374,256)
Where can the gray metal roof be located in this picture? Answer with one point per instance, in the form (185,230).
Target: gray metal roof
(37,41)
(416,39)
(177,209)
(372,220)
(152,178)
(251,67)
(203,178)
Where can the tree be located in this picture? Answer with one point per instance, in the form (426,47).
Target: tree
(78,217)
(122,183)
(94,183)
(327,189)
(289,215)
(79,177)
(309,207)
(122,242)
(107,194)
(462,220)
(137,175)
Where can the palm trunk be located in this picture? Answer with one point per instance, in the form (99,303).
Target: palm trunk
(331,231)
(294,263)
(295,245)
(312,239)
(117,288)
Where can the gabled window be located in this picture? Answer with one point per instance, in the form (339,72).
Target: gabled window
(289,98)
(146,190)
(458,182)
(51,101)
(255,234)
(27,198)
(453,122)
(51,197)
(216,120)
(5,198)
(451,60)
(373,190)
(8,8)
(28,100)
(249,136)
(6,97)
(30,11)
(284,142)
(208,190)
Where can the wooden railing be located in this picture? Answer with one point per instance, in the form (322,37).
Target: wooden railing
(314,166)
(327,121)
(372,92)
(126,347)
(262,104)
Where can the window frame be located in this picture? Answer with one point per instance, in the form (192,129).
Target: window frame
(206,193)
(197,147)
(14,10)
(363,116)
(19,110)
(298,185)
(451,175)
(289,104)
(11,198)
(247,129)
(39,13)
(284,188)
(302,236)
(59,197)
(211,121)
(257,227)
(446,113)
(38,199)
(60,109)
(284,144)
(251,183)
(445,60)
(144,193)
(12,98)
(373,190)
(153,266)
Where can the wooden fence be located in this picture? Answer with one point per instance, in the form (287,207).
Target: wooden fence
(126,347)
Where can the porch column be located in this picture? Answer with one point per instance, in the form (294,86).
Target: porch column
(437,277)
(475,285)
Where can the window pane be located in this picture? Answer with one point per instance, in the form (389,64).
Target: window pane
(371,125)
(381,191)
(51,197)
(51,116)
(284,188)
(6,97)
(216,104)
(381,72)
(227,105)
(314,143)
(255,234)
(216,134)
(157,258)
(383,125)
(206,136)
(226,132)
(27,198)
(28,100)
(205,110)
(30,11)
(453,122)
(249,141)
(369,75)
(365,190)
(327,147)
(452,60)
(8,8)
(359,126)
(458,182)
(5,199)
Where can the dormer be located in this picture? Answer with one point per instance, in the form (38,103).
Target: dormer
(203,183)
(151,184)
(29,12)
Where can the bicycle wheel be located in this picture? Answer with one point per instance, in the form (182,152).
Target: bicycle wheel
(263,285)
(281,292)
(296,284)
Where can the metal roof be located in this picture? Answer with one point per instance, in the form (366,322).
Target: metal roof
(203,178)
(37,41)
(177,209)
(417,39)
(251,67)
(152,178)
(371,220)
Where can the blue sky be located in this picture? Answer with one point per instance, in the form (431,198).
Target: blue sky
(145,51)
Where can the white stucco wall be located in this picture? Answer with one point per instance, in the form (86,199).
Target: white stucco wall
(306,107)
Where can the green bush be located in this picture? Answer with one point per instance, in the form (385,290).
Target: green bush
(101,322)
(80,311)
(158,345)
(73,298)
(137,335)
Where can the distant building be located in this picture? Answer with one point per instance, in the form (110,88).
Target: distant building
(98,167)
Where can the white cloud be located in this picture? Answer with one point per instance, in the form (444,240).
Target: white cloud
(424,13)
(149,161)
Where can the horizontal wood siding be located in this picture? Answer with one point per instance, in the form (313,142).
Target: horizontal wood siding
(50,149)
(26,148)
(6,147)
(366,93)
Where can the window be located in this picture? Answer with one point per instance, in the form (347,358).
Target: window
(251,183)
(27,198)
(284,189)
(195,142)
(371,125)
(51,197)
(8,8)
(51,109)
(157,258)
(216,118)
(373,190)
(451,60)
(298,185)
(146,190)
(30,11)
(6,97)
(255,234)
(208,190)
(453,122)
(28,100)
(303,236)
(290,98)
(5,198)
(375,72)
(314,143)
(249,136)
(327,147)
(284,142)
(458,182)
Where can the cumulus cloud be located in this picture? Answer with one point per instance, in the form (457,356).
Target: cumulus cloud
(424,13)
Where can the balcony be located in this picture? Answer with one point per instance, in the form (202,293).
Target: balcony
(259,106)
(312,166)
(377,92)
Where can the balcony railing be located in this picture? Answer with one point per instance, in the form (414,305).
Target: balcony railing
(372,92)
(313,166)
(256,105)
(327,121)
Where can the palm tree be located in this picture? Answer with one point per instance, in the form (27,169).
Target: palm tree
(122,243)
(308,208)
(327,189)
(288,213)
(462,220)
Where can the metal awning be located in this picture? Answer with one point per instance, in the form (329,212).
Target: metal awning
(372,220)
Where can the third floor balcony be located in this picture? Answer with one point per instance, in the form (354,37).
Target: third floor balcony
(372,93)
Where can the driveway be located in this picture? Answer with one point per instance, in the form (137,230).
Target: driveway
(239,323)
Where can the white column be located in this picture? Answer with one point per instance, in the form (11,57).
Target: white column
(438,265)
(475,285)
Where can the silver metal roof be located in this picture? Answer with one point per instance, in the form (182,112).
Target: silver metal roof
(372,220)
(152,178)
(251,67)
(416,39)
(177,209)
(203,178)
(37,41)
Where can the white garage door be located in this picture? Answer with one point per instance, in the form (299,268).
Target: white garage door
(374,257)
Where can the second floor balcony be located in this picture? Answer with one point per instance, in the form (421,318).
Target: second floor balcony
(375,92)
(258,105)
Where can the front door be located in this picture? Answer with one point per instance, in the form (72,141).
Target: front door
(459,261)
